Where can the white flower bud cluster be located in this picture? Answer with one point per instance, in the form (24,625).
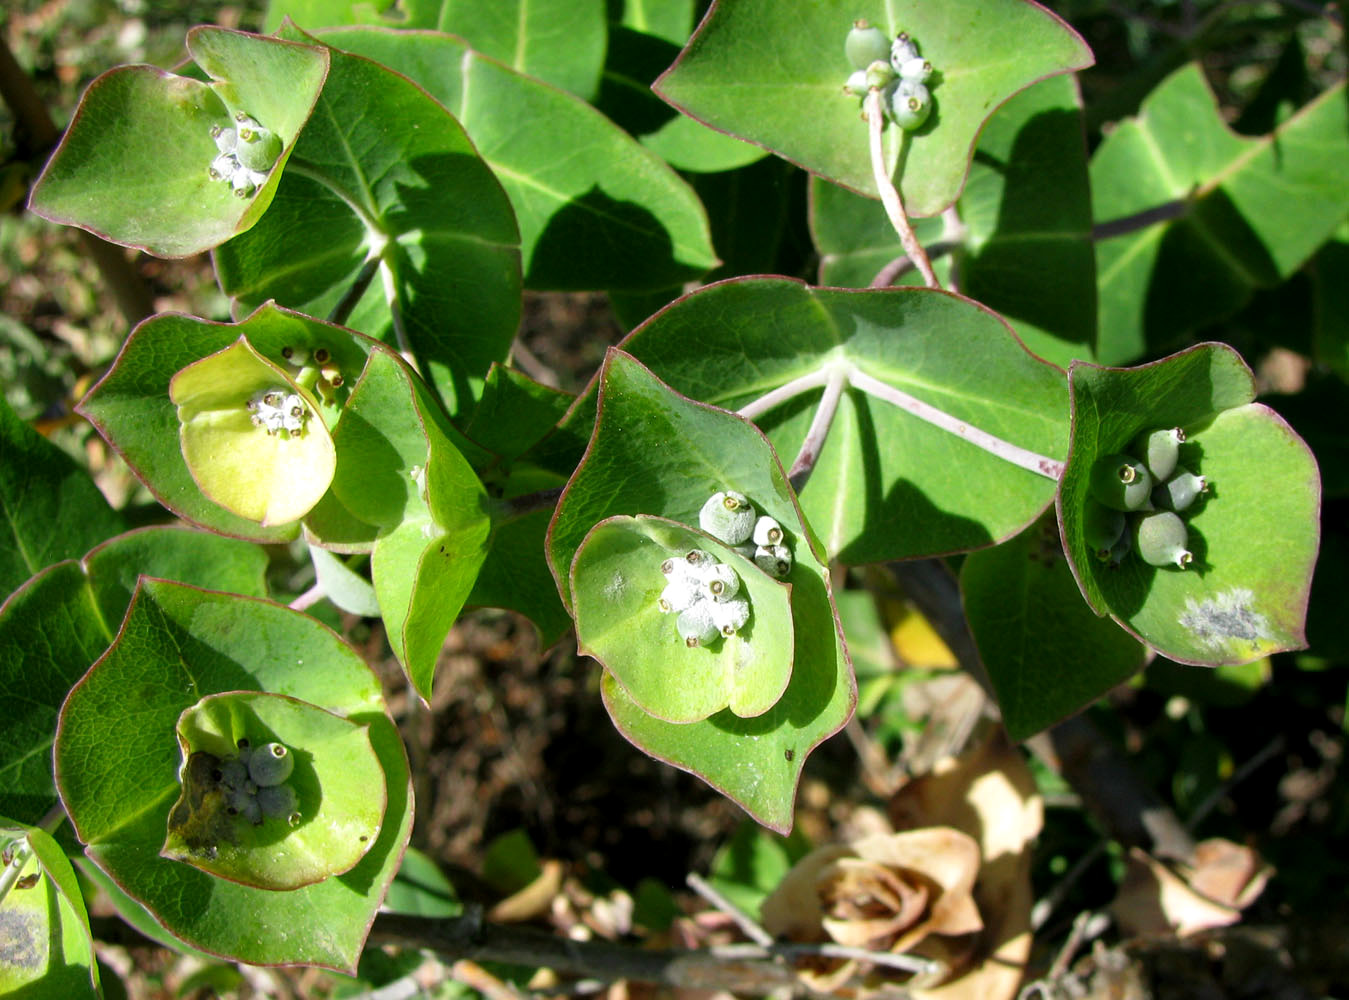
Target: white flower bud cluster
(255,786)
(315,370)
(895,69)
(730,517)
(245,154)
(702,592)
(279,411)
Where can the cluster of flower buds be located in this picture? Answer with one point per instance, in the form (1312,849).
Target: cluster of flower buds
(894,68)
(255,786)
(702,592)
(731,518)
(315,370)
(1137,503)
(245,152)
(279,411)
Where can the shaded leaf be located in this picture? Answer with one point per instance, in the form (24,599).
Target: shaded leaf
(50,509)
(1230,213)
(595,209)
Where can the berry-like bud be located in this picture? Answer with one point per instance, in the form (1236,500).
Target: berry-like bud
(1160,539)
(1180,491)
(728,517)
(1102,527)
(775,560)
(730,617)
(879,75)
(695,625)
(721,583)
(909,104)
(260,150)
(239,802)
(865,44)
(233,773)
(678,595)
(1121,482)
(916,70)
(902,50)
(1160,449)
(277,801)
(270,764)
(767,531)
(857,83)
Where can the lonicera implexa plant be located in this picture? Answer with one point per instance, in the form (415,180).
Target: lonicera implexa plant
(1002,362)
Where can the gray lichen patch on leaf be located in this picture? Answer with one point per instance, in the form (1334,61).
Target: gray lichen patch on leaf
(1226,621)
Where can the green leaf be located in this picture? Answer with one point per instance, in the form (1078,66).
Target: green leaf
(132,167)
(515,412)
(595,209)
(347,589)
(773,73)
(616,581)
(559,41)
(671,20)
(62,620)
(1029,620)
(886,484)
(384,174)
(751,864)
(49,507)
(269,475)
(655,452)
(176,646)
(1229,213)
(133,912)
(634,61)
(131,407)
(1330,275)
(397,468)
(46,948)
(421,888)
(337,780)
(1254,535)
(515,572)
(1025,250)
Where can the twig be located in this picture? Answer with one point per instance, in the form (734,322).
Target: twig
(900,266)
(1201,811)
(1008,452)
(748,926)
(513,508)
(894,207)
(818,432)
(906,963)
(308,599)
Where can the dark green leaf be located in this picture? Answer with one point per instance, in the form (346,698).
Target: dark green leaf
(50,507)
(1230,213)
(1029,621)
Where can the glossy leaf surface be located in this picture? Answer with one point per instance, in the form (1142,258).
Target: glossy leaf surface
(595,209)
(656,452)
(132,168)
(1228,213)
(1254,535)
(1046,652)
(616,582)
(62,620)
(384,173)
(773,73)
(337,780)
(131,407)
(887,485)
(127,708)
(49,507)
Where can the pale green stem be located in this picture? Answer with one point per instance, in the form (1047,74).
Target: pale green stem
(9,875)
(894,207)
(818,432)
